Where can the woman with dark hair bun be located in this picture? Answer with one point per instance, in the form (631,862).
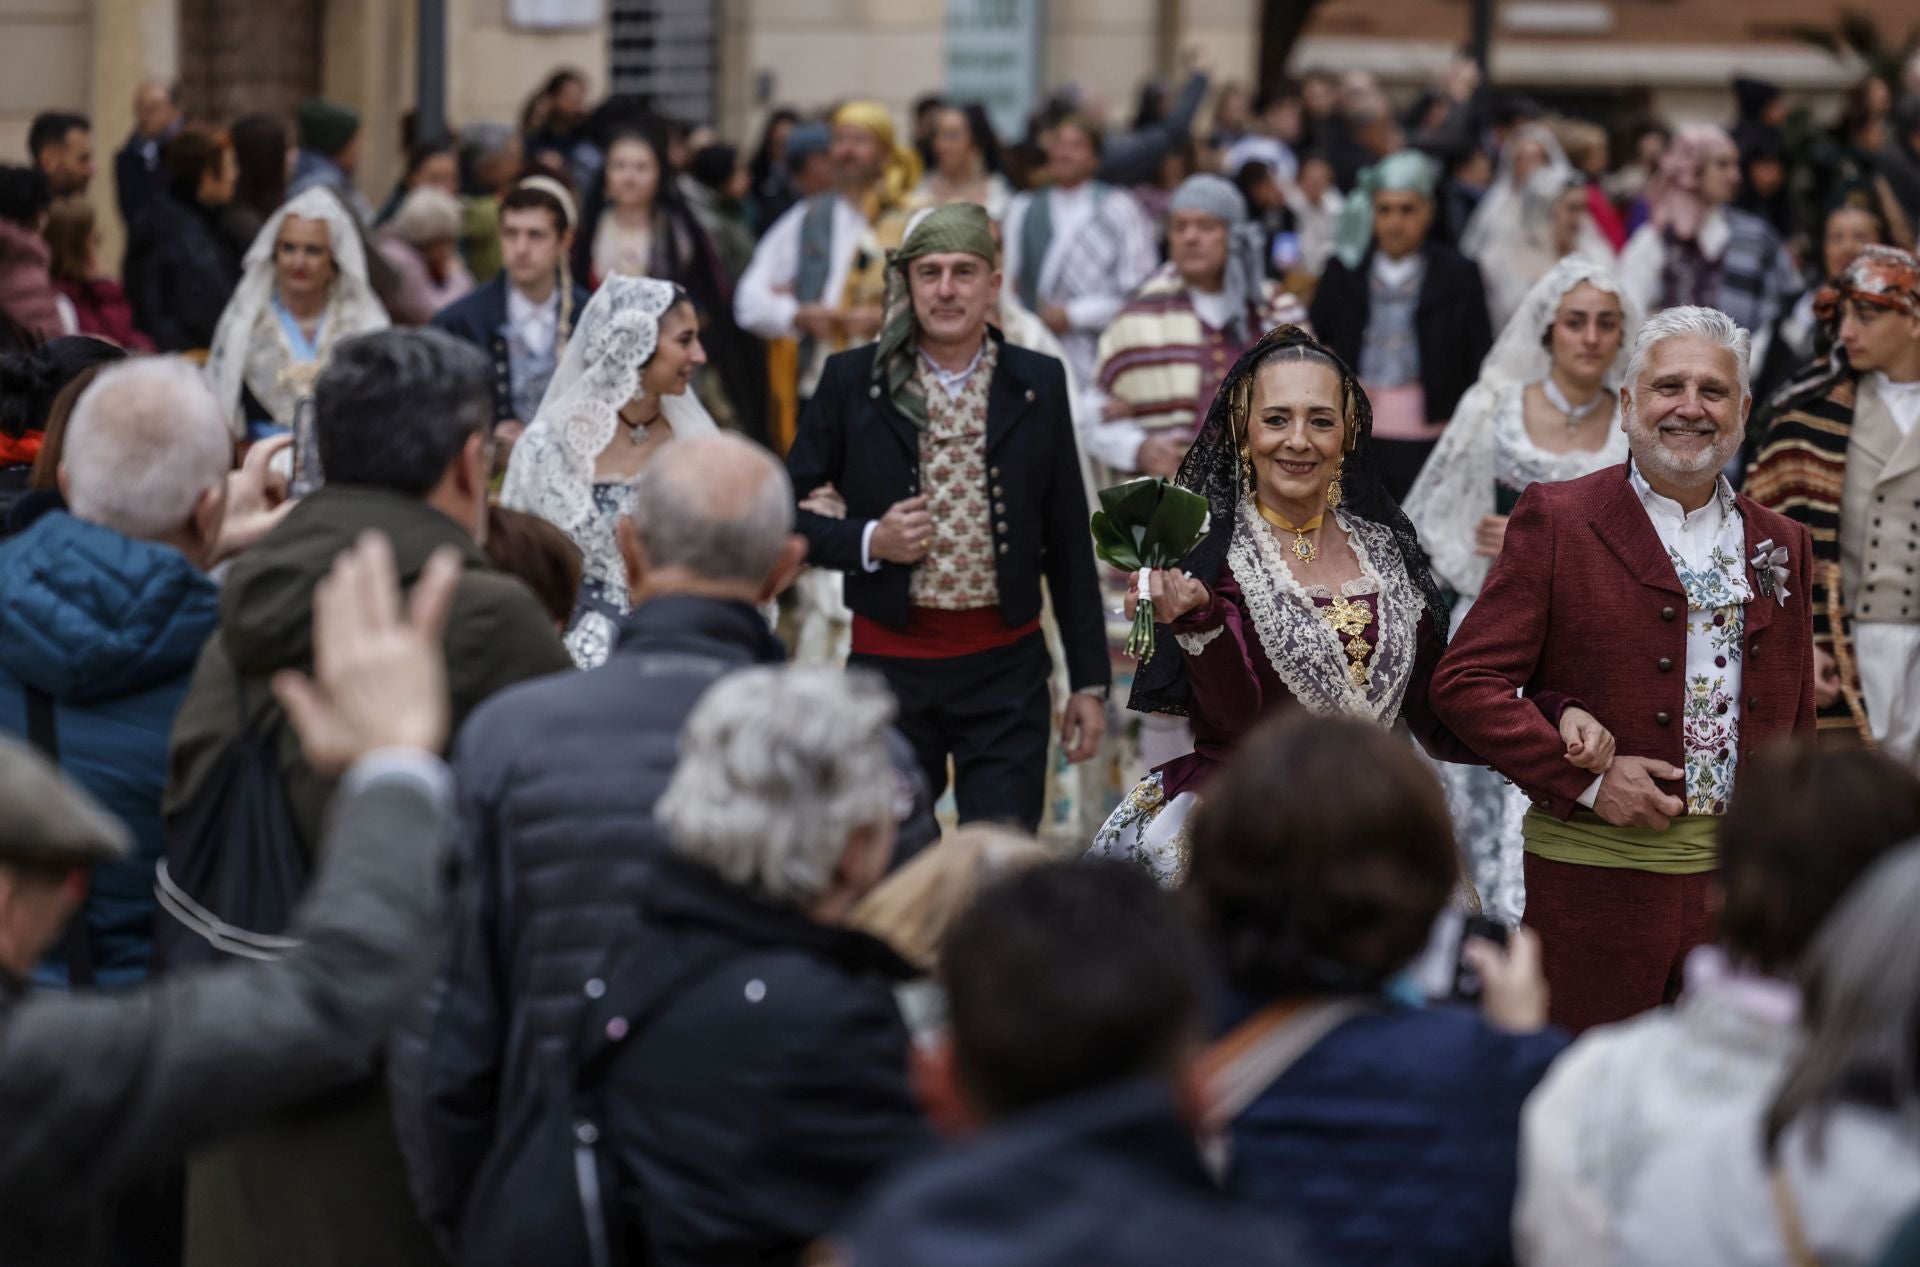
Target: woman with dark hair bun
(1317,902)
(1310,592)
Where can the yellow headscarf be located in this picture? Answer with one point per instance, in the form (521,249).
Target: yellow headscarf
(903,168)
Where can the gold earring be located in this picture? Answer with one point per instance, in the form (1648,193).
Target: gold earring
(1334,492)
(1246,465)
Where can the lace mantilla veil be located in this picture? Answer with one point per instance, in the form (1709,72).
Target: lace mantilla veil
(551,471)
(1455,488)
(353,307)
(1212,469)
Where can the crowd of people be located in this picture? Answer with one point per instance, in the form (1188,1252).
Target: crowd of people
(572,714)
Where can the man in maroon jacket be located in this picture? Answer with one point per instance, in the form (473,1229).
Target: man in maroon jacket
(1676,613)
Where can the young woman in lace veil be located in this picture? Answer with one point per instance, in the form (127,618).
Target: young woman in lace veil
(1544,410)
(621,391)
(303,288)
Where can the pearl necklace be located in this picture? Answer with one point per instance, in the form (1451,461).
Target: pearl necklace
(1558,399)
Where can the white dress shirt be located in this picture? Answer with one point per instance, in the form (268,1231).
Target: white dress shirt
(764,301)
(1901,399)
(534,325)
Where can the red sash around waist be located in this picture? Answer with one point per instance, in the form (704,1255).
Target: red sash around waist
(933,634)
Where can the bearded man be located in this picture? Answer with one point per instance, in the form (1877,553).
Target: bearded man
(1677,613)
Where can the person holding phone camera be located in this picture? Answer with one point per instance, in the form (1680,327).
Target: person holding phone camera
(1317,905)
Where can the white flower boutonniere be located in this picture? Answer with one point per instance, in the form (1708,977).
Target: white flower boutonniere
(1770,571)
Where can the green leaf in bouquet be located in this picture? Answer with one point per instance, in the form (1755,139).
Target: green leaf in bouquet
(1178,524)
(1113,545)
(1130,506)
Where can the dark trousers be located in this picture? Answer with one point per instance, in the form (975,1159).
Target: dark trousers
(992,712)
(1613,941)
(1399,463)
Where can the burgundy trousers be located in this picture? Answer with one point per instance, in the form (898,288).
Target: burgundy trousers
(1613,941)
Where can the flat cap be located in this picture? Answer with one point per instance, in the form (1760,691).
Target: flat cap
(46,820)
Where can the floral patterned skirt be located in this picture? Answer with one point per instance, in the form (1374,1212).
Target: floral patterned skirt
(1150,831)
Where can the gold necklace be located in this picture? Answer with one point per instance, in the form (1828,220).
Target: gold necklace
(1302,548)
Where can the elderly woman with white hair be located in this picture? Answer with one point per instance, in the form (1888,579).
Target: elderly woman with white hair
(747,1014)
(1676,612)
(422,242)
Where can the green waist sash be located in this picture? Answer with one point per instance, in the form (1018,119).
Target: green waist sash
(1588,840)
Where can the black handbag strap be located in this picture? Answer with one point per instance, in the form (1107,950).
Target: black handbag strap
(42,734)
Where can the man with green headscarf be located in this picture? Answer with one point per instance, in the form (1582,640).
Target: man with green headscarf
(1407,313)
(954,452)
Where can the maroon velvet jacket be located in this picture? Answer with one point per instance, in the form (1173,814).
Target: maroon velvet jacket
(1583,604)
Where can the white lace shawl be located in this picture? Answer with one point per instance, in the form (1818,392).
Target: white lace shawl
(352,308)
(1455,487)
(551,471)
(1304,651)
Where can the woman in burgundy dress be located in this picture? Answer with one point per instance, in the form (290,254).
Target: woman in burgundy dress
(1311,592)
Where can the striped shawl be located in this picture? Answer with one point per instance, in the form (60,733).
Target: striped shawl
(1802,473)
(1156,356)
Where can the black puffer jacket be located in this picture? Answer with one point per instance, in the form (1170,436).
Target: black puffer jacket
(558,782)
(748,1114)
(180,273)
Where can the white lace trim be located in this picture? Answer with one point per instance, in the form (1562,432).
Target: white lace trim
(1520,463)
(1194,644)
(1304,652)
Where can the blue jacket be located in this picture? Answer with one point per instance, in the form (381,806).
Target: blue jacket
(1107,1178)
(109,628)
(1394,1139)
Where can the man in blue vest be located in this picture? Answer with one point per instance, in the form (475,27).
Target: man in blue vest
(817,275)
(1076,250)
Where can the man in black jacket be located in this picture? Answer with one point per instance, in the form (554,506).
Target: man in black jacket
(558,782)
(1407,313)
(955,454)
(523,318)
(138,171)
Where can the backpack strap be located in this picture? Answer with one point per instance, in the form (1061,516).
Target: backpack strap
(44,735)
(1237,1068)
(632,993)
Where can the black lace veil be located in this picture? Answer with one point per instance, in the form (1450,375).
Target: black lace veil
(1212,469)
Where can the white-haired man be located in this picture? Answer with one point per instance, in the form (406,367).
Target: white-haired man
(104,608)
(1676,612)
(742,1052)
